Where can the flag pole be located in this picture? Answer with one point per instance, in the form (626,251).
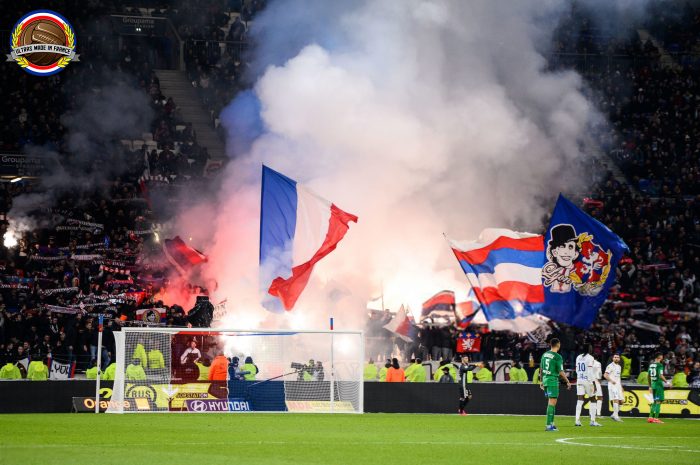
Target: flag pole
(383,307)
(332,368)
(100,320)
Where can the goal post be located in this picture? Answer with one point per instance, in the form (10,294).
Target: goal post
(233,370)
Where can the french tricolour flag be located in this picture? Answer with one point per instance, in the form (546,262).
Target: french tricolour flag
(505,270)
(401,326)
(297,229)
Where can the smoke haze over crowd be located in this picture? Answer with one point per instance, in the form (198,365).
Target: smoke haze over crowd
(420,117)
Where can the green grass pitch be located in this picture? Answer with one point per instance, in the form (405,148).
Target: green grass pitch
(206,439)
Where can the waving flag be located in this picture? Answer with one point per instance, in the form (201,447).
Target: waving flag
(439,306)
(581,257)
(401,326)
(297,229)
(182,256)
(503,268)
(466,311)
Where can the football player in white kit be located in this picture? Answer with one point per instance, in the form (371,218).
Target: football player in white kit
(585,387)
(597,375)
(615,392)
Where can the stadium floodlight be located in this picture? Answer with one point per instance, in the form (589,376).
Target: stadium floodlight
(209,370)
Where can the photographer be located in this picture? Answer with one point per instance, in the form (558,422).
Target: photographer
(305,372)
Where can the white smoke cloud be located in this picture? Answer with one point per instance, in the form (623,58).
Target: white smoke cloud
(420,117)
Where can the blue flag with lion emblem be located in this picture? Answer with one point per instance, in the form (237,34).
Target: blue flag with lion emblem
(581,256)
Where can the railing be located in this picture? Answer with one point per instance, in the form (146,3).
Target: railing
(589,61)
(214,49)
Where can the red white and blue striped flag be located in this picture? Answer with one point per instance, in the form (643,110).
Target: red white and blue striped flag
(504,269)
(439,307)
(466,311)
(401,326)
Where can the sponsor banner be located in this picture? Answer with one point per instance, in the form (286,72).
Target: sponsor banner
(217,405)
(172,396)
(319,406)
(677,401)
(59,370)
(24,165)
(139,25)
(87,405)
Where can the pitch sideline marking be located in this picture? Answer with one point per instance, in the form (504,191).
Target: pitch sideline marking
(355,443)
(568,442)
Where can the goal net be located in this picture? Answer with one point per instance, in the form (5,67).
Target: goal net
(218,370)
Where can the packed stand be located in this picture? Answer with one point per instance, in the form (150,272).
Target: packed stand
(654,138)
(87,245)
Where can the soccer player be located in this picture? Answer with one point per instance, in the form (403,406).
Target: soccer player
(597,375)
(612,374)
(465,394)
(656,386)
(551,366)
(585,387)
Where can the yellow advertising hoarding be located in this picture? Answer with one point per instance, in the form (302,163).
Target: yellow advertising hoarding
(677,401)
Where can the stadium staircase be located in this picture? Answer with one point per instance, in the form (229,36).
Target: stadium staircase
(176,85)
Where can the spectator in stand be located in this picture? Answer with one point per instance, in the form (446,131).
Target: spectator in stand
(236,32)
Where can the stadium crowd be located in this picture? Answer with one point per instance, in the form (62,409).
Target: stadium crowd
(654,138)
(94,250)
(88,244)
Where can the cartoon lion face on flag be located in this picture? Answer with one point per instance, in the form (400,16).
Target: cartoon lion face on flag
(575,262)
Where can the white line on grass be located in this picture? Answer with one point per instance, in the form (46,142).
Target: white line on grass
(662,447)
(283,443)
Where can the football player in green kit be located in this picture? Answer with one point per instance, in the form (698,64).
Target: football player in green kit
(551,367)
(656,386)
